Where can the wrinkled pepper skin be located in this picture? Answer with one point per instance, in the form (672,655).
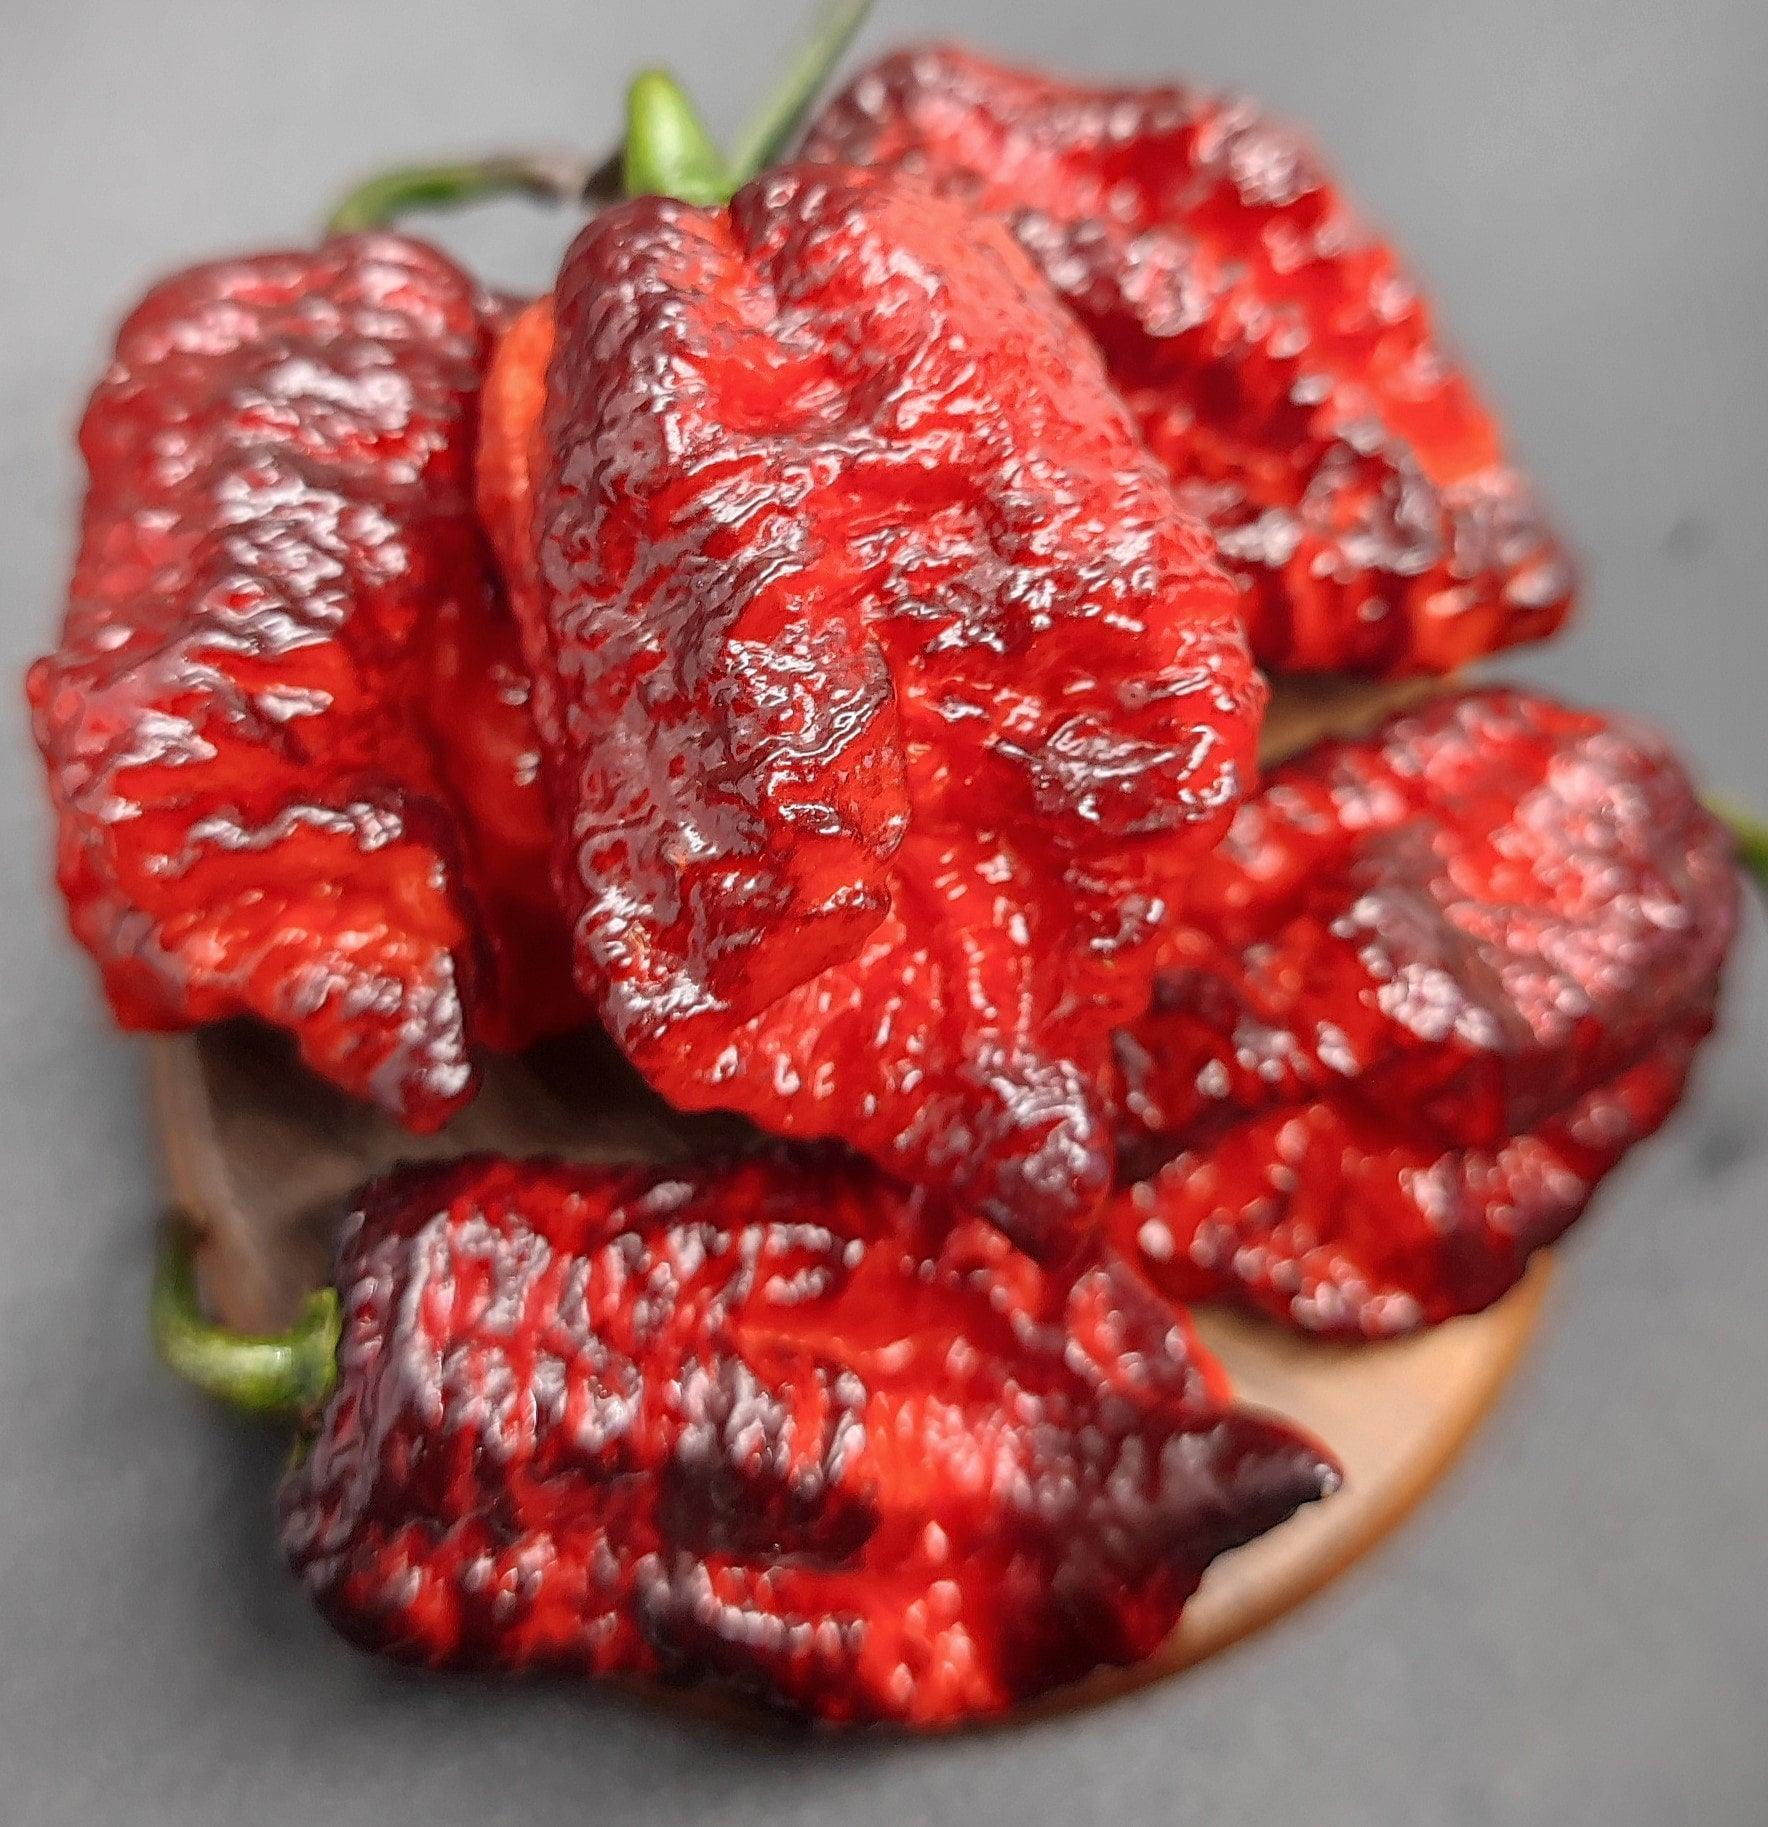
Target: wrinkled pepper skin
(767,1425)
(1432,987)
(887,693)
(286,729)
(1279,359)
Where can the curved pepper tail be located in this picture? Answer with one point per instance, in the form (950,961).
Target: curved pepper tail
(259,1373)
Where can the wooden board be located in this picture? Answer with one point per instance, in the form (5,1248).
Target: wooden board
(261,1154)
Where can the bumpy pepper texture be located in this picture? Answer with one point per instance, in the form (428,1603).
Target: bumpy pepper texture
(887,692)
(768,1425)
(1279,359)
(286,729)
(1432,987)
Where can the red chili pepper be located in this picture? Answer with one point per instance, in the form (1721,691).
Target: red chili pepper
(1279,359)
(887,694)
(1431,988)
(285,730)
(764,1424)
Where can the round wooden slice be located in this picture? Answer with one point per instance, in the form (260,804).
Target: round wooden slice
(262,1156)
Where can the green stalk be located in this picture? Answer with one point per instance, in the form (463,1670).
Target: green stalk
(274,1373)
(547,177)
(1749,834)
(669,153)
(775,125)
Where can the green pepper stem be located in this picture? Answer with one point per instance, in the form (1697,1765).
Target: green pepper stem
(668,152)
(261,1373)
(1749,834)
(777,121)
(550,177)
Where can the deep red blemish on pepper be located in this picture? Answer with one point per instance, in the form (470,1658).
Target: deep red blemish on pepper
(286,735)
(1431,988)
(487,756)
(511,456)
(886,693)
(1278,357)
(771,1424)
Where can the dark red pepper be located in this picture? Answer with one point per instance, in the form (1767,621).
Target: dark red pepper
(1279,359)
(286,728)
(782,1427)
(1431,988)
(887,694)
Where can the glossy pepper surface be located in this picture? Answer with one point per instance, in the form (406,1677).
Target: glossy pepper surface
(1277,356)
(1432,987)
(764,1424)
(886,691)
(286,728)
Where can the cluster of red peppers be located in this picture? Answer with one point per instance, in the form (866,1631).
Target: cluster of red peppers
(825,641)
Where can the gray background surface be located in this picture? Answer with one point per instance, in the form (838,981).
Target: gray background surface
(1575,1628)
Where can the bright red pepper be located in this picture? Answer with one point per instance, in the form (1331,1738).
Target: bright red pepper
(1278,357)
(286,728)
(1431,988)
(887,693)
(782,1427)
